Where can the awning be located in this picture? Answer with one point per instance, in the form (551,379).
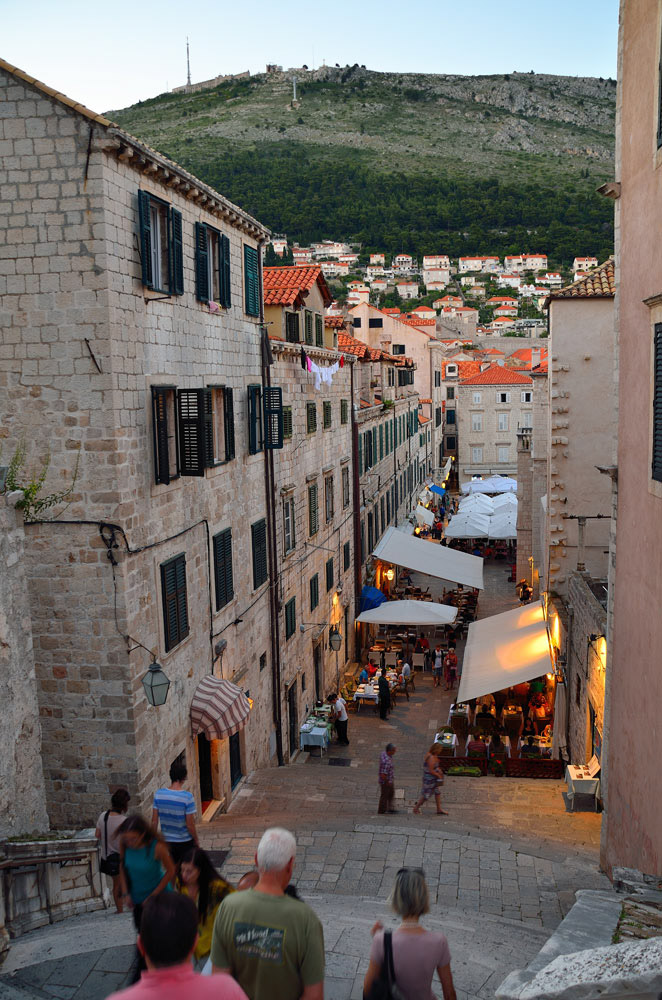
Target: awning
(371,597)
(428,557)
(424,496)
(494,484)
(503,501)
(447,468)
(423,515)
(439,490)
(218,709)
(503,524)
(410,613)
(469,525)
(505,650)
(476,502)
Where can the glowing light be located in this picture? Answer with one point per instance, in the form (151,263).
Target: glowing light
(390,574)
(556,632)
(335,598)
(250,702)
(550,677)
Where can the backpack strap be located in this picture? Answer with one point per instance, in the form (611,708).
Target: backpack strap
(388,956)
(105,832)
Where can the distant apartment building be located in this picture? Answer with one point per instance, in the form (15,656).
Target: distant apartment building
(467,280)
(377,259)
(534,261)
(491,407)
(403,262)
(407,289)
(329,248)
(302,255)
(436,262)
(509,280)
(378,285)
(505,310)
(279,243)
(425,312)
(434,278)
(584,263)
(334,268)
(448,302)
(552,279)
(360,293)
(513,264)
(374,271)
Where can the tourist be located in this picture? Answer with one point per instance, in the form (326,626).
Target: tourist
(450,669)
(372,669)
(108,824)
(363,676)
(271,944)
(199,880)
(248,880)
(167,943)
(384,695)
(475,746)
(433,779)
(174,809)
(530,749)
(496,745)
(416,952)
(339,716)
(386,779)
(437,665)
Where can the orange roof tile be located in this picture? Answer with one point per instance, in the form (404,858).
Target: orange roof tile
(464,368)
(498,375)
(599,284)
(288,286)
(335,322)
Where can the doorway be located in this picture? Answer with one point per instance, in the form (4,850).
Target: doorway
(317,663)
(204,771)
(293,718)
(236,773)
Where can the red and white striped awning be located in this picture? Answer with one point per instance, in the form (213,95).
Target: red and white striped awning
(218,709)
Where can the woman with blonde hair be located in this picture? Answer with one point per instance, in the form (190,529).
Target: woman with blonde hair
(416,953)
(433,779)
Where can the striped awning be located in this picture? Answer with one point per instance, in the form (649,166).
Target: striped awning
(218,709)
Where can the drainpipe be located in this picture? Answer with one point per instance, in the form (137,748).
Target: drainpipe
(356,498)
(272,548)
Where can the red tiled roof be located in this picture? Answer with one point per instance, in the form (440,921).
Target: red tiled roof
(599,284)
(498,375)
(335,322)
(492,350)
(525,354)
(288,286)
(350,345)
(464,368)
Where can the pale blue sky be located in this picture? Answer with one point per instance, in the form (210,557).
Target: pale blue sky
(113,54)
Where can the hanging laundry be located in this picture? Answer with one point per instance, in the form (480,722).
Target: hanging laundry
(304,359)
(322,374)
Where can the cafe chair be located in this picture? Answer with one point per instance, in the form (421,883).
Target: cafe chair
(390,659)
(418,661)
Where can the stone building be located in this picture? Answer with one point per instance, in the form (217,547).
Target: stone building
(131,307)
(491,406)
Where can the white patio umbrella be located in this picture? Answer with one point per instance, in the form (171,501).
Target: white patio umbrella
(504,501)
(472,525)
(476,503)
(493,484)
(503,529)
(423,515)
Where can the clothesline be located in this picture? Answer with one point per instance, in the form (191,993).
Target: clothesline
(322,373)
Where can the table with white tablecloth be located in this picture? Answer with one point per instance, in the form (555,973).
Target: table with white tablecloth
(581,782)
(314,736)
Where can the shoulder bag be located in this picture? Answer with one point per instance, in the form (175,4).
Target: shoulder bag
(110,865)
(385,986)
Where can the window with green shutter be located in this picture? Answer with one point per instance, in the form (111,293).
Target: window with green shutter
(381,442)
(259,547)
(287,421)
(223,568)
(272,399)
(329,574)
(657,404)
(292,328)
(290,618)
(319,331)
(344,411)
(311,417)
(165,430)
(309,327)
(173,590)
(251,281)
(254,419)
(346,557)
(313,513)
(360,454)
(314,591)
(326,414)
(161,248)
(192,420)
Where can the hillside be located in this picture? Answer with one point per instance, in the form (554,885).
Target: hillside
(409,162)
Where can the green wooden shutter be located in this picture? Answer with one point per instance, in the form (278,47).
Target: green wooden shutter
(208,416)
(657,404)
(290,618)
(314,592)
(202,289)
(191,413)
(287,422)
(381,441)
(223,568)
(319,331)
(259,545)
(173,589)
(309,327)
(254,403)
(145,226)
(345,556)
(360,454)
(329,574)
(228,423)
(176,255)
(251,281)
(313,514)
(160,433)
(272,399)
(224,268)
(374,446)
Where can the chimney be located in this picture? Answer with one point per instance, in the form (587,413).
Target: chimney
(536,355)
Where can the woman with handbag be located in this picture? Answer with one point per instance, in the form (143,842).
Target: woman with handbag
(433,779)
(403,963)
(108,824)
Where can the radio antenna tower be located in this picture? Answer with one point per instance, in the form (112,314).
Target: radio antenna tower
(188,66)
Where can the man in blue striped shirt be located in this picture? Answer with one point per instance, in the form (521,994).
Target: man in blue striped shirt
(174,808)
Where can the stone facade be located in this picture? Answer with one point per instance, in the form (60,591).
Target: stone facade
(487,426)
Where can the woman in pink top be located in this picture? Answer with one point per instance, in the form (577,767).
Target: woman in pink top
(416,952)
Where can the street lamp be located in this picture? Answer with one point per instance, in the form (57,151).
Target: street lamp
(156,685)
(335,638)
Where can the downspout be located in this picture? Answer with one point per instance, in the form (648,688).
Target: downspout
(270,493)
(356,498)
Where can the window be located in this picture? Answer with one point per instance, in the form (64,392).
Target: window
(526,419)
(223,568)
(272,401)
(290,618)
(657,404)
(388,507)
(381,442)
(289,539)
(219,425)
(326,414)
(502,453)
(476,398)
(346,558)
(406,377)
(397,349)
(451,370)
(292,328)
(287,421)
(476,455)
(362,542)
(375,324)
(319,331)
(329,574)
(450,443)
(356,322)
(526,396)
(450,392)
(437,379)
(251,281)
(503,397)
(259,546)
(161,249)
(371,532)
(303,682)
(173,590)
(345,486)
(308,327)
(311,417)
(313,515)
(263,661)
(344,411)
(502,421)
(328,498)
(391,377)
(450,416)
(314,591)
(164,425)
(212,266)
(255,439)
(476,421)
(437,416)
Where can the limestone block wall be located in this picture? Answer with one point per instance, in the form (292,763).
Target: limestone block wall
(585,666)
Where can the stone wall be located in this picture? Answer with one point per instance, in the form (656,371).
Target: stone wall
(22,792)
(586,661)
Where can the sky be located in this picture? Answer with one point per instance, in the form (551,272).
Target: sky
(110,55)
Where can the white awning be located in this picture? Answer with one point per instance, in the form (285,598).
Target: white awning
(409,613)
(423,515)
(476,502)
(503,501)
(425,496)
(468,525)
(494,484)
(428,557)
(505,650)
(447,468)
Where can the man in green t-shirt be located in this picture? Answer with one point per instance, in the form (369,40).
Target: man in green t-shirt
(272,944)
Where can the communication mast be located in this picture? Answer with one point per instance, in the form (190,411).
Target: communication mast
(188,66)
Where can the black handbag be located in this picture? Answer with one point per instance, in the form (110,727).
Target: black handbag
(385,986)
(110,865)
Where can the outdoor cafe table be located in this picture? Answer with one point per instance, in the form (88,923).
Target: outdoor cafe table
(314,735)
(544,744)
(581,782)
(458,710)
(447,740)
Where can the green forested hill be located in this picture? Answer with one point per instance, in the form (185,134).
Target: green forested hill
(403,162)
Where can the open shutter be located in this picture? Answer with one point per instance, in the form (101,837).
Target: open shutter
(145,224)
(208,415)
(360,454)
(160,429)
(259,545)
(175,613)
(657,405)
(226,294)
(182,611)
(272,400)
(313,522)
(201,263)
(191,407)
(228,423)
(223,568)
(251,283)
(176,256)
(254,442)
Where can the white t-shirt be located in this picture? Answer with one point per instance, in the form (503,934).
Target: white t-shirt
(406,670)
(340,710)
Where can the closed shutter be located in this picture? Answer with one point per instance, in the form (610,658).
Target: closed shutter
(311,417)
(254,435)
(657,405)
(313,516)
(272,399)
(201,263)
(345,556)
(309,327)
(191,431)
(224,275)
(251,281)
(208,411)
(287,422)
(381,442)
(314,592)
(373,454)
(360,454)
(326,414)
(259,544)
(160,427)
(176,256)
(223,568)
(343,411)
(329,574)
(173,589)
(290,618)
(319,331)
(145,225)
(228,423)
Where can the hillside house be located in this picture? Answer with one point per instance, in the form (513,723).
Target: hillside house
(377,259)
(584,264)
(295,299)
(279,243)
(407,289)
(403,262)
(360,293)
(513,264)
(534,261)
(552,279)
(491,406)
(434,278)
(505,310)
(435,262)
(509,281)
(302,255)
